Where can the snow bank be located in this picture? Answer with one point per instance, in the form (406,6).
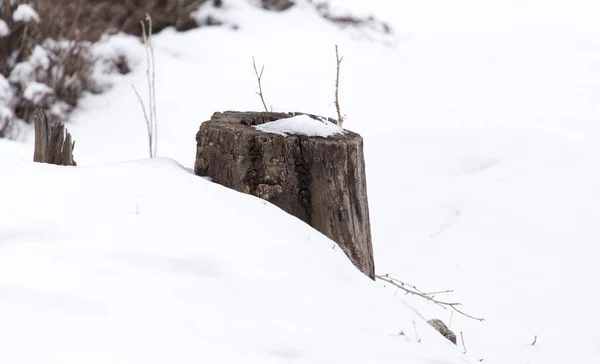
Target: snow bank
(301,125)
(143,262)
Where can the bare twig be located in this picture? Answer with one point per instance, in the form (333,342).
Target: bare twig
(462,338)
(340,118)
(259,78)
(410,289)
(150,113)
(153,85)
(416,332)
(534,340)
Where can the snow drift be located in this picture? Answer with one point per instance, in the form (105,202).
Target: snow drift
(143,262)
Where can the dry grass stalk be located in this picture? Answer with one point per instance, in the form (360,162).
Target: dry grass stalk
(149,114)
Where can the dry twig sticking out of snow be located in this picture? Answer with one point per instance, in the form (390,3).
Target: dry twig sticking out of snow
(150,114)
(340,118)
(410,289)
(259,78)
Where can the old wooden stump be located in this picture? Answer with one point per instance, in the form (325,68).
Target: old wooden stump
(53,142)
(319,180)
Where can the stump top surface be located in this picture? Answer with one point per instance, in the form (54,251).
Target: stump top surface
(244,120)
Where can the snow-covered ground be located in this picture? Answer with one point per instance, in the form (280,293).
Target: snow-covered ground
(481,122)
(144,262)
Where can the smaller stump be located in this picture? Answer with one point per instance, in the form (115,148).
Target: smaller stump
(441,327)
(319,180)
(53,143)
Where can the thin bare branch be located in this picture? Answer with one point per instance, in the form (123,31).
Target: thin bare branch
(259,78)
(340,118)
(534,340)
(150,112)
(150,47)
(462,339)
(410,289)
(148,129)
(416,332)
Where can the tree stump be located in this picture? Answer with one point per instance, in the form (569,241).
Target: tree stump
(319,180)
(53,142)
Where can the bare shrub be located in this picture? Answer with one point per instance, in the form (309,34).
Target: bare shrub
(53,77)
(45,68)
(348,20)
(46,48)
(109,16)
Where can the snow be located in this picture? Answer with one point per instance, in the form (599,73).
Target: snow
(4,29)
(6,92)
(301,125)
(107,52)
(25,13)
(36,92)
(114,266)
(60,109)
(23,73)
(481,137)
(6,116)
(39,58)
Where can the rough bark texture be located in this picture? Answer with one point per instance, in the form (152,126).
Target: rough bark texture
(53,142)
(319,180)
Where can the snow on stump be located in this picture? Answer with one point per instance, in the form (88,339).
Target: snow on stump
(304,164)
(52,141)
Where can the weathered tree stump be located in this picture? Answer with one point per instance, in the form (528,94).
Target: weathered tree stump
(319,180)
(53,142)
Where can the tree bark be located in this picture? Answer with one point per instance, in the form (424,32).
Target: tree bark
(319,180)
(53,143)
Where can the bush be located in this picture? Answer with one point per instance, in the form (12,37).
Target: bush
(36,69)
(47,56)
(93,18)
